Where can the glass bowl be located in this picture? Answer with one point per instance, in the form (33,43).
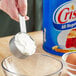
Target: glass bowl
(70,69)
(35,65)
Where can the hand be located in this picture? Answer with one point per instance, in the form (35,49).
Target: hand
(14,7)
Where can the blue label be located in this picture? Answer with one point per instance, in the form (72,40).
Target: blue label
(59,26)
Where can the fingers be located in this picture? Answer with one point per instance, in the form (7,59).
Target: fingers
(12,10)
(9,6)
(22,6)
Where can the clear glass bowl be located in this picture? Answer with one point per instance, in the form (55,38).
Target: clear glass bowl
(34,65)
(70,69)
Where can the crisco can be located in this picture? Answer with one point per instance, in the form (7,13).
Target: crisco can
(59,26)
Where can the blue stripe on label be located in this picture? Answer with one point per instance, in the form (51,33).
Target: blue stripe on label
(66,26)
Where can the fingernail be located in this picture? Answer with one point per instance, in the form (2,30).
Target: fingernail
(27,18)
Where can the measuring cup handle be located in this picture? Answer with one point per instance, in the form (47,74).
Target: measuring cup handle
(22,23)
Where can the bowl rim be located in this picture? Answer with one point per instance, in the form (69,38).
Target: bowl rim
(63,58)
(5,69)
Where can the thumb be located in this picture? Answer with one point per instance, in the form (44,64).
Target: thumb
(22,7)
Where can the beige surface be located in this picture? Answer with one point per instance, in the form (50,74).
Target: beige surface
(5,51)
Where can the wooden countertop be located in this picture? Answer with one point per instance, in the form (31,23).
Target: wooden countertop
(5,51)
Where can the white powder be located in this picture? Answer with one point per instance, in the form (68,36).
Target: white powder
(25,44)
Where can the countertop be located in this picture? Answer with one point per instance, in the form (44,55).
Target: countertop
(5,51)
